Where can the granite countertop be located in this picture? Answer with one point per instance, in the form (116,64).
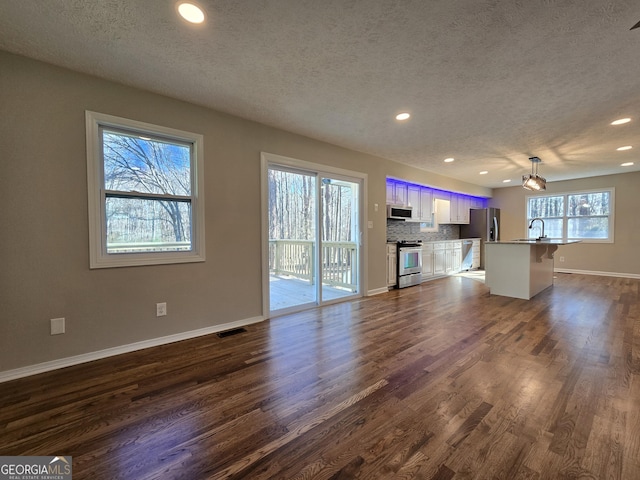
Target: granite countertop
(442,240)
(530,241)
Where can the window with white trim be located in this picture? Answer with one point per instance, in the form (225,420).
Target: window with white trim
(146,195)
(587,215)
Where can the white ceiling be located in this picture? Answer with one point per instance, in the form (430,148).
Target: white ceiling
(488,82)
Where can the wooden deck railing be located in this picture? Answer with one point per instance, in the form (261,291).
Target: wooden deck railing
(292,257)
(296,258)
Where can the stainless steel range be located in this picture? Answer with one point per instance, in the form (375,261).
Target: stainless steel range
(409,263)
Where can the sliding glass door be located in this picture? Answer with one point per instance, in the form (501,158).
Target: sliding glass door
(339,260)
(292,239)
(313,237)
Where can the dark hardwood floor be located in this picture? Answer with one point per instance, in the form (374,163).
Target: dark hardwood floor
(439,381)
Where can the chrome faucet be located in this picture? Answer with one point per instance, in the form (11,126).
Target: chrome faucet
(541,221)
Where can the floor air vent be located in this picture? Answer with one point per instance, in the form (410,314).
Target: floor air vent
(228,333)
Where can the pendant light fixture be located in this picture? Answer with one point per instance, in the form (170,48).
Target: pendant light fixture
(533,181)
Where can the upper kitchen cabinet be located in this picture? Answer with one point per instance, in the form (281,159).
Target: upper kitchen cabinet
(443,211)
(396,193)
(460,205)
(420,199)
(413,200)
(455,210)
(426,205)
(429,205)
(476,202)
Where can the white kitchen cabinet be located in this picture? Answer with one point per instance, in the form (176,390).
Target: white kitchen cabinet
(453,257)
(455,210)
(442,258)
(448,258)
(464,205)
(443,211)
(396,193)
(431,205)
(401,194)
(421,201)
(459,211)
(392,264)
(426,205)
(476,202)
(439,265)
(391,192)
(413,200)
(456,260)
(427,261)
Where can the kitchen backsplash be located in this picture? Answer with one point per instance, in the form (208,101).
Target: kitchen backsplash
(398,230)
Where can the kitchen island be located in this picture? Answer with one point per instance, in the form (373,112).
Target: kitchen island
(520,268)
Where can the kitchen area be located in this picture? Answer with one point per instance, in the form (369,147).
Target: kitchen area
(433,233)
(428,233)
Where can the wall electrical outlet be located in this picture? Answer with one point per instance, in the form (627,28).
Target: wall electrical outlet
(562,259)
(161,309)
(57,326)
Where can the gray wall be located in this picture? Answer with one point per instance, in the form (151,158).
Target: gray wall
(44,240)
(620,257)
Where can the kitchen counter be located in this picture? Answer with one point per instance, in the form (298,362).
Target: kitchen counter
(439,258)
(527,241)
(520,268)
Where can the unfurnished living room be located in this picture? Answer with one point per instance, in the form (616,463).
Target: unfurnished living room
(319,240)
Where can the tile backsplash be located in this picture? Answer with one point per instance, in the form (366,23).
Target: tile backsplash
(399,230)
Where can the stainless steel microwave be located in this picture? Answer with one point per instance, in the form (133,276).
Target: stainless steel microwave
(399,212)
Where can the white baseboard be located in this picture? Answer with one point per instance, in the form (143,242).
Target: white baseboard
(377,291)
(592,272)
(132,347)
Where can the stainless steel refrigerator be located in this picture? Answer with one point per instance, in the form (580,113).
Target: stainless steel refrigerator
(484,223)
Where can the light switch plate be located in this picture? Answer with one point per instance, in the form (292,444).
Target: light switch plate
(57,326)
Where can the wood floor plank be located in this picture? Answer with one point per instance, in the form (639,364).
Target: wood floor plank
(442,380)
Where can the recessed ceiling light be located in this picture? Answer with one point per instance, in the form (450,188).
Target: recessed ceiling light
(190,12)
(626,164)
(506,181)
(628,147)
(448,160)
(484,172)
(621,121)
(403,116)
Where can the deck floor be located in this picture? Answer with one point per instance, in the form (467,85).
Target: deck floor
(286,292)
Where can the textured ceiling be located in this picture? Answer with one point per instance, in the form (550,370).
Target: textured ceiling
(489,83)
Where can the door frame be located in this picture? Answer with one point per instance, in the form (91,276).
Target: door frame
(267,159)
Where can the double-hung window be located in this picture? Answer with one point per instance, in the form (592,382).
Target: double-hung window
(586,215)
(146,195)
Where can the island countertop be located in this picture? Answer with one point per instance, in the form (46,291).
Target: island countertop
(533,241)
